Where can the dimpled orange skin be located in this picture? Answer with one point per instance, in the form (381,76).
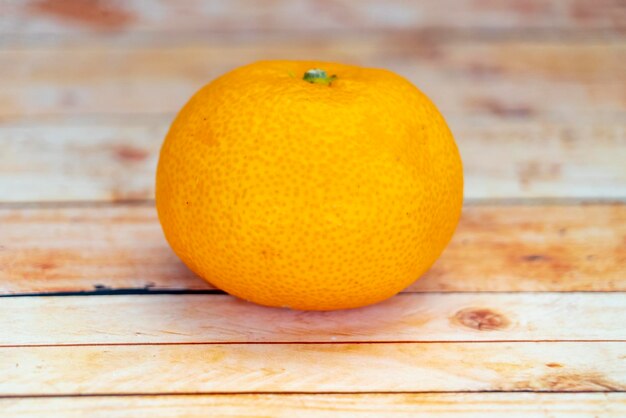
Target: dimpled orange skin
(309,196)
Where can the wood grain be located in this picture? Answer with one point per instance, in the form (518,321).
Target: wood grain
(157,369)
(220,318)
(409,405)
(80,161)
(535,93)
(72,17)
(550,113)
(544,79)
(496,248)
(110,159)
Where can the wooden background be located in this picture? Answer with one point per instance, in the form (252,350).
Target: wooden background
(524,314)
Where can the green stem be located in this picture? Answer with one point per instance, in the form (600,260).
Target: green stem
(317,76)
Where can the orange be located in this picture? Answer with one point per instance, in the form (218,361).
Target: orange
(309,189)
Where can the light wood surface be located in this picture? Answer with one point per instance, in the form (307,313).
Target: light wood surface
(508,78)
(497,247)
(72,17)
(523,315)
(548,109)
(405,405)
(106,159)
(220,318)
(365,367)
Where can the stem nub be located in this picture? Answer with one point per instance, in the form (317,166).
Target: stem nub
(317,76)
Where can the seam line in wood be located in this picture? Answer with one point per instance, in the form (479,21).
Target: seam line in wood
(356,342)
(291,393)
(503,201)
(140,291)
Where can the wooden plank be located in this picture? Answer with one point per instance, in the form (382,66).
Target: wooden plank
(220,318)
(546,79)
(80,161)
(422,367)
(72,17)
(115,159)
(409,405)
(535,159)
(495,248)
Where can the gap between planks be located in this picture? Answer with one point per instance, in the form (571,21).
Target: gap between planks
(296,393)
(149,291)
(467,202)
(221,343)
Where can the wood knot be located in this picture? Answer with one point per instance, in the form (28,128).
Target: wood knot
(131,154)
(533,258)
(553,365)
(46,265)
(97,14)
(481,319)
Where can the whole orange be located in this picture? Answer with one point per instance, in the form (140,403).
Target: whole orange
(290,186)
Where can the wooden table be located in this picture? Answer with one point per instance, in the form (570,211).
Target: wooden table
(523,315)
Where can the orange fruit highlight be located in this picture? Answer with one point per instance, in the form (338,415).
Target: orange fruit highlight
(309,185)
